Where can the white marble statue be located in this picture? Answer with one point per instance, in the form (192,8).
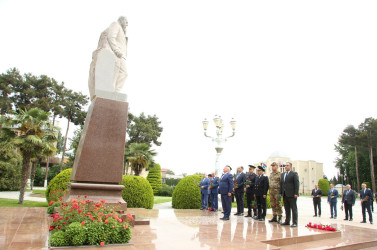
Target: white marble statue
(108,70)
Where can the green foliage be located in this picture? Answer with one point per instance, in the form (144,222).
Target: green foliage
(324,185)
(186,194)
(95,233)
(166,191)
(51,208)
(58,184)
(59,239)
(170,172)
(172,181)
(143,129)
(158,199)
(10,167)
(39,176)
(52,172)
(154,178)
(76,234)
(137,192)
(14,203)
(139,156)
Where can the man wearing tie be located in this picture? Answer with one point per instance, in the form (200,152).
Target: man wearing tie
(250,191)
(261,188)
(204,184)
(214,192)
(239,182)
(365,195)
(289,187)
(225,189)
(317,194)
(348,200)
(332,199)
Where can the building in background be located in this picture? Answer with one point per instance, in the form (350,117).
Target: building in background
(309,172)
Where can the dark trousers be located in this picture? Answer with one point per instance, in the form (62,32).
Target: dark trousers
(204,200)
(317,204)
(249,199)
(214,201)
(371,205)
(366,206)
(240,204)
(348,210)
(290,203)
(226,202)
(262,206)
(333,209)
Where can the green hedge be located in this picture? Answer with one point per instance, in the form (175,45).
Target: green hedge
(186,194)
(324,185)
(137,192)
(58,185)
(154,178)
(166,191)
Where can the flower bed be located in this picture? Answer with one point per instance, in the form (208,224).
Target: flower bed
(321,227)
(83,222)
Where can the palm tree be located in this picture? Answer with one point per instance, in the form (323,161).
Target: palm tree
(33,135)
(139,156)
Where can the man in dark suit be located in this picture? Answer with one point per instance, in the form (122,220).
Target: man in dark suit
(239,184)
(289,186)
(365,195)
(332,199)
(204,184)
(261,188)
(348,200)
(317,194)
(249,189)
(225,189)
(214,192)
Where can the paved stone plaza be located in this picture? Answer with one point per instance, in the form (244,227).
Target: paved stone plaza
(27,228)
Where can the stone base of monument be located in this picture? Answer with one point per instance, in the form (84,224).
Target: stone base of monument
(111,194)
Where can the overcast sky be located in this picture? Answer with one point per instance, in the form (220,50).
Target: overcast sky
(293,74)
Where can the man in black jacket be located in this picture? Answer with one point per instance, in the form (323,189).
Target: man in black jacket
(239,185)
(261,188)
(289,187)
(249,189)
(317,194)
(348,200)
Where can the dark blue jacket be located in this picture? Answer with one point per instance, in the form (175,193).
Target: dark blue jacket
(261,185)
(365,193)
(240,183)
(215,185)
(335,194)
(226,184)
(205,183)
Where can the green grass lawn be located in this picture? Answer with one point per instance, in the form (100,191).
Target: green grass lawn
(14,203)
(39,192)
(161,199)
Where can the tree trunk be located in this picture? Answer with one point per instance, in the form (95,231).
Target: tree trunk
(24,177)
(357,171)
(372,170)
(48,163)
(65,143)
(33,167)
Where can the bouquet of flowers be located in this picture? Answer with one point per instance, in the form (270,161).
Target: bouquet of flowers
(211,183)
(365,199)
(235,184)
(248,182)
(277,201)
(254,204)
(321,227)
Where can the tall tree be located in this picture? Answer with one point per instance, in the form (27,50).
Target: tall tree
(7,82)
(32,134)
(73,106)
(143,129)
(139,156)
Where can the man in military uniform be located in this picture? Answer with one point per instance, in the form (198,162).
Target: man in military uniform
(249,189)
(261,188)
(275,196)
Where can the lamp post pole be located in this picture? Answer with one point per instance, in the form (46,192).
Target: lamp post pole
(219,140)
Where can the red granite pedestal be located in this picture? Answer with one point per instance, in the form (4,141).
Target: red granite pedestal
(98,166)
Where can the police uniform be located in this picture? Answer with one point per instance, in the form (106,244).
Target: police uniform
(250,193)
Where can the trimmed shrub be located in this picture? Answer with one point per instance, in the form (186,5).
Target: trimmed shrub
(95,233)
(137,192)
(76,234)
(52,172)
(10,167)
(154,178)
(166,191)
(324,185)
(186,194)
(58,184)
(172,181)
(59,239)
(39,176)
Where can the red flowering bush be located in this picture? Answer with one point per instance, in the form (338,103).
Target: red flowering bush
(83,222)
(321,227)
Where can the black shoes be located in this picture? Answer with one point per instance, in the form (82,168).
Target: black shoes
(241,214)
(273,219)
(236,214)
(261,219)
(314,215)
(285,224)
(294,225)
(248,215)
(224,218)
(363,222)
(346,219)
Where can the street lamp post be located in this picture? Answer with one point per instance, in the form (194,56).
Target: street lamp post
(219,140)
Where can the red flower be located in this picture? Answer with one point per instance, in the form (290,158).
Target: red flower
(275,199)
(83,223)
(248,179)
(106,221)
(235,182)
(102,243)
(211,180)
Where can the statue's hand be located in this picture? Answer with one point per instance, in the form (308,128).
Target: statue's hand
(118,53)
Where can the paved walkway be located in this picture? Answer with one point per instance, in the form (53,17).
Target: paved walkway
(14,195)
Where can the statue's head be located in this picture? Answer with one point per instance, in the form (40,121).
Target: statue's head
(123,22)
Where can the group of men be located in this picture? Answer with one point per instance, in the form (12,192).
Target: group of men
(256,185)
(348,201)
